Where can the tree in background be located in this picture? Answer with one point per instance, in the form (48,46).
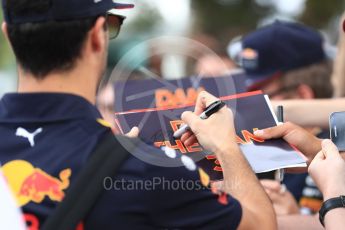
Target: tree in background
(6,57)
(225,19)
(319,13)
(222,19)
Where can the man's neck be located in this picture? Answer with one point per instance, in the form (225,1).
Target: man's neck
(77,82)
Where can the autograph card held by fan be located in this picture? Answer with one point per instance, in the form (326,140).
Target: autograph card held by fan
(252,111)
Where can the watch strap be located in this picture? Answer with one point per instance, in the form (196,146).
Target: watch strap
(338,202)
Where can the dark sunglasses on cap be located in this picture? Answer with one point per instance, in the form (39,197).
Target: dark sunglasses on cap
(114,22)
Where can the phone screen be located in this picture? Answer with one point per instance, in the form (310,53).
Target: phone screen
(337,129)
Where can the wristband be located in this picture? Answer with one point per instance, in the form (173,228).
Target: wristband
(338,202)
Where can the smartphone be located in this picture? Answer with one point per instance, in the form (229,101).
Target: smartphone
(337,129)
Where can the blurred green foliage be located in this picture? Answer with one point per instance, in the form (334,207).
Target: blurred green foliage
(146,22)
(318,13)
(225,19)
(6,57)
(137,30)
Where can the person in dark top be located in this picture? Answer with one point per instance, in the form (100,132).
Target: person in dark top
(288,60)
(51,126)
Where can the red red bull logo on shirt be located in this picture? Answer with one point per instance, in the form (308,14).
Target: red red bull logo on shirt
(30,184)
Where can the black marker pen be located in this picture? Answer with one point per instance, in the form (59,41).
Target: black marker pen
(211,109)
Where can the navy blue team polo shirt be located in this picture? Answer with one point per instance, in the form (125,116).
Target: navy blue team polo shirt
(46,138)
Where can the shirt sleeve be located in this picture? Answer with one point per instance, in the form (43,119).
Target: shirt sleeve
(180,200)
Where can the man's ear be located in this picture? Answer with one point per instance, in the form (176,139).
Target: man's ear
(97,36)
(305,92)
(4,29)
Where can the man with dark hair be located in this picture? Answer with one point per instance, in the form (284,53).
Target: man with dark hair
(309,82)
(50,128)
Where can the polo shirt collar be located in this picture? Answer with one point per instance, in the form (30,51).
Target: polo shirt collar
(45,107)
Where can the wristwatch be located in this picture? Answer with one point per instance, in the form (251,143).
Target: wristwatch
(338,202)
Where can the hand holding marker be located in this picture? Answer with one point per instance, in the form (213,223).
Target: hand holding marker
(211,109)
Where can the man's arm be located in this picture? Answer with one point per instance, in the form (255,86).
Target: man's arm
(299,222)
(334,220)
(217,134)
(241,182)
(302,112)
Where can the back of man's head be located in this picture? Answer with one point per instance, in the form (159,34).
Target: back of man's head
(48,35)
(49,46)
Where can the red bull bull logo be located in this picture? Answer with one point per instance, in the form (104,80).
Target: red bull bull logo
(33,184)
(40,184)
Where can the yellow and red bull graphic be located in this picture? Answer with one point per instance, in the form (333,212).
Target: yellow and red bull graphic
(30,184)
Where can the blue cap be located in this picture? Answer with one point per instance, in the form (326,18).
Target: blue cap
(278,48)
(59,10)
